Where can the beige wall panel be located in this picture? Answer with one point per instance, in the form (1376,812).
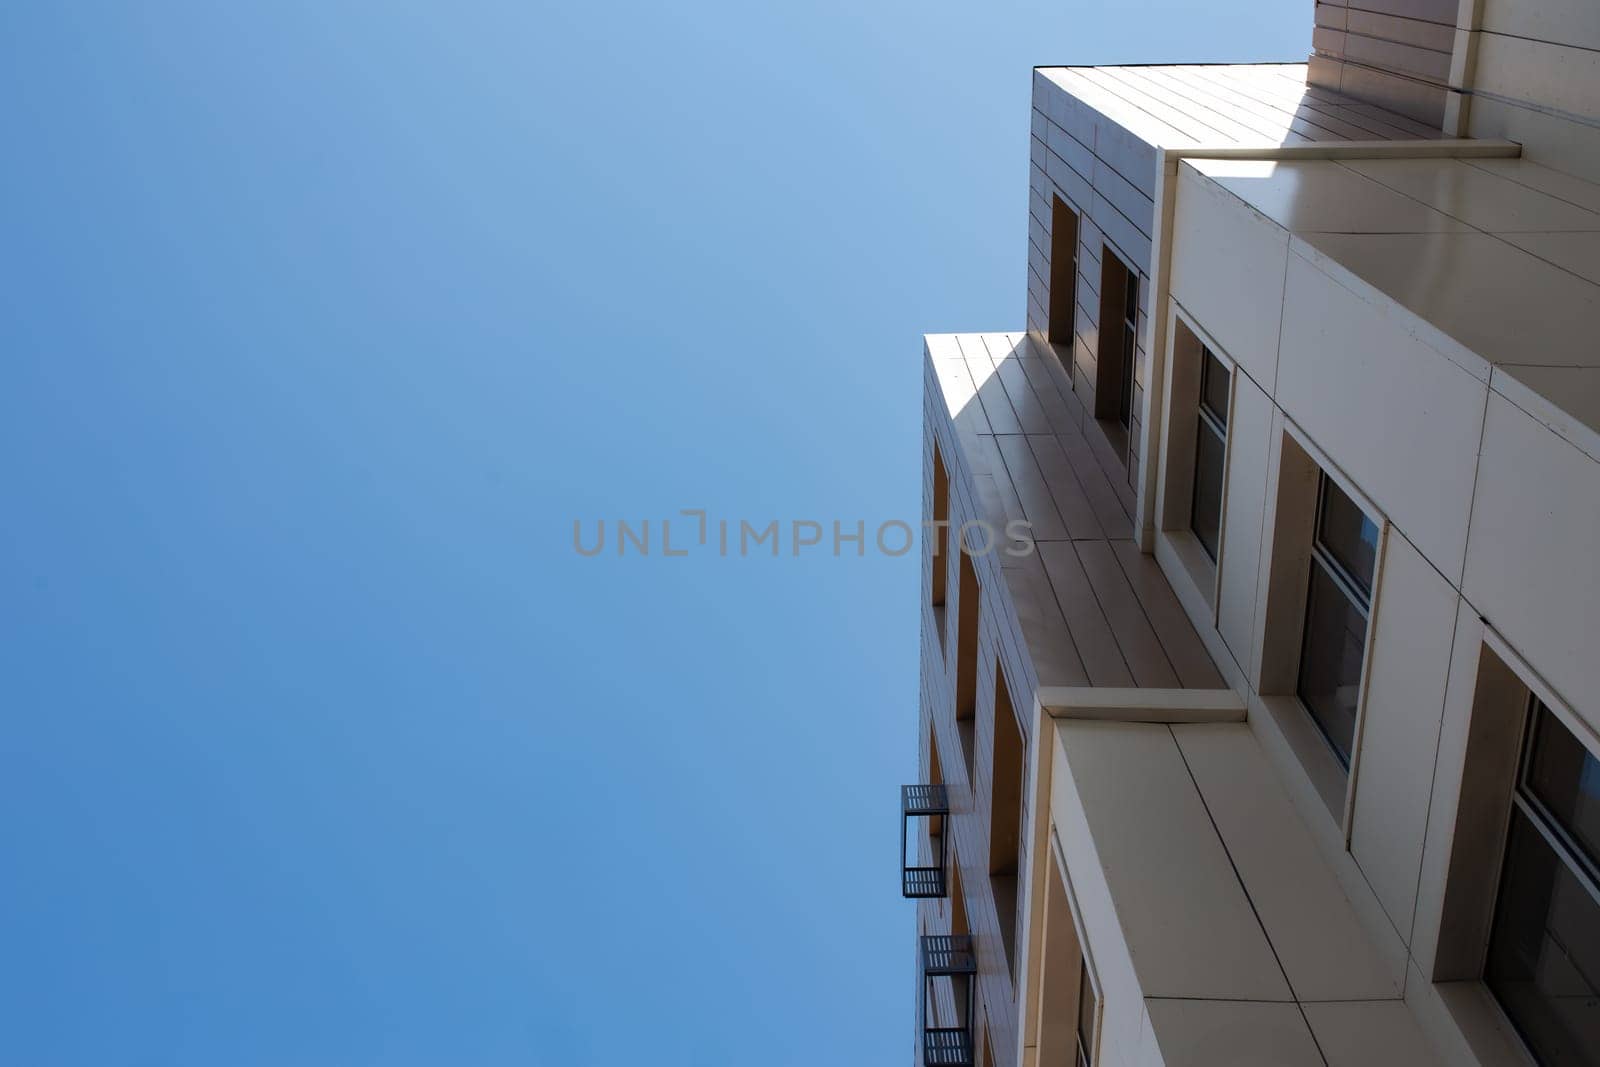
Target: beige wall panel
(1446,787)
(1554,141)
(1397,416)
(1122,1000)
(1552,75)
(1572,22)
(1189,927)
(1249,444)
(1370,1034)
(1221,1033)
(1227,271)
(1315,932)
(1531,558)
(1415,617)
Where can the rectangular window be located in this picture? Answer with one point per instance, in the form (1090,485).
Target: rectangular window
(1343,555)
(941,542)
(1117,350)
(1130,334)
(1063,279)
(1544,946)
(1005,815)
(1087,1009)
(1210,453)
(967,599)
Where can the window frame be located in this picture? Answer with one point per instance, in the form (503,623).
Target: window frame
(1208,421)
(1063,282)
(1348,586)
(1567,852)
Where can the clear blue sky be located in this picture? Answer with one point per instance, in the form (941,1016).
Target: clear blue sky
(321,323)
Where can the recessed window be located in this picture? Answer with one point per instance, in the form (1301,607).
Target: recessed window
(941,542)
(1130,333)
(967,597)
(1088,1008)
(1065,1003)
(1210,453)
(1343,554)
(1063,279)
(1005,815)
(1119,330)
(1544,947)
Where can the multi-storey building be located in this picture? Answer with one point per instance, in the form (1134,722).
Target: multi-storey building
(1278,740)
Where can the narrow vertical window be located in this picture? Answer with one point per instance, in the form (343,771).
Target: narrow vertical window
(1130,334)
(967,601)
(1088,1008)
(1544,947)
(1005,816)
(941,542)
(1063,279)
(1210,453)
(1344,554)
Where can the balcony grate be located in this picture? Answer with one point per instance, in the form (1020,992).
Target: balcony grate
(948,954)
(923,882)
(947,1047)
(924,800)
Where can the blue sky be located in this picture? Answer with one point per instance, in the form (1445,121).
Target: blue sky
(321,324)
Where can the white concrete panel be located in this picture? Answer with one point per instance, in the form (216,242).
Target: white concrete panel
(1244,508)
(1380,1033)
(1227,270)
(1531,555)
(1444,806)
(1489,201)
(1414,620)
(1323,196)
(1566,399)
(1573,22)
(1576,252)
(1552,140)
(1122,1019)
(1315,933)
(1220,1033)
(1552,75)
(1539,313)
(1189,928)
(1393,413)
(1523,171)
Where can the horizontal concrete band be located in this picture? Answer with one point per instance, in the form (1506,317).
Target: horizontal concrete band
(1142,705)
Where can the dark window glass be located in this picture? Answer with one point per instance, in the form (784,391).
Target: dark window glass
(1206,515)
(1565,778)
(1330,659)
(1130,333)
(1544,950)
(1214,378)
(1086,1013)
(1345,533)
(1210,451)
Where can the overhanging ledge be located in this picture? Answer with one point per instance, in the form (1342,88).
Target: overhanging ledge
(1142,705)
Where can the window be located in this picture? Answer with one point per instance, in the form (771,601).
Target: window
(1210,453)
(1088,1008)
(1130,333)
(1005,815)
(1544,946)
(941,542)
(1119,330)
(967,598)
(958,898)
(1066,1007)
(1344,552)
(1063,279)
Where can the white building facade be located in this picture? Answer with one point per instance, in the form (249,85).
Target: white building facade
(1280,742)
